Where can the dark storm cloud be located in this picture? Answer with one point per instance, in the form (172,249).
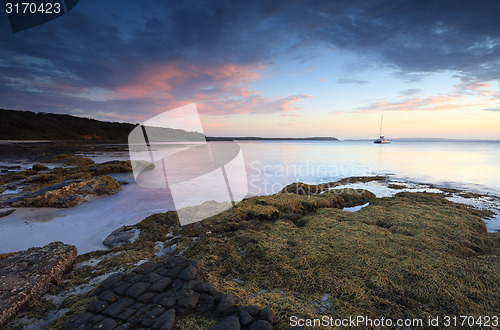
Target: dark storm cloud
(108,44)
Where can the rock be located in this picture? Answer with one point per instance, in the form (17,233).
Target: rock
(166,321)
(26,275)
(110,281)
(174,272)
(177,285)
(162,284)
(114,166)
(260,325)
(118,307)
(151,277)
(229,323)
(77,320)
(124,326)
(253,310)
(142,165)
(188,273)
(169,302)
(226,303)
(67,194)
(175,261)
(140,312)
(154,313)
(126,314)
(109,296)
(106,324)
(205,303)
(137,289)
(189,302)
(205,287)
(146,268)
(6,213)
(96,306)
(122,288)
(121,236)
(148,297)
(245,318)
(302,189)
(267,315)
(191,284)
(39,167)
(147,322)
(96,319)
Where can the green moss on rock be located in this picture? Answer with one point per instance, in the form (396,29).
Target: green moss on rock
(72,160)
(39,167)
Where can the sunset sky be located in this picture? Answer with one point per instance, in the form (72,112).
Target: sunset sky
(267,68)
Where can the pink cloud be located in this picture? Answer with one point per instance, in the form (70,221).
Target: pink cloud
(217,90)
(417,103)
(472,85)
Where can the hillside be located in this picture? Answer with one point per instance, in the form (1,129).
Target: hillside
(28,125)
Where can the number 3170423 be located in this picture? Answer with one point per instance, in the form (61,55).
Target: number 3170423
(33,8)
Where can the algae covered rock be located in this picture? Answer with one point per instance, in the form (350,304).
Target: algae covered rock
(301,188)
(398,256)
(39,167)
(63,186)
(69,193)
(71,159)
(115,166)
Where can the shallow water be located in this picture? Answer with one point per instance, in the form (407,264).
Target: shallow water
(270,165)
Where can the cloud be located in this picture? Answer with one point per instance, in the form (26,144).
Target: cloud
(465,94)
(496,109)
(351,81)
(411,91)
(432,103)
(95,56)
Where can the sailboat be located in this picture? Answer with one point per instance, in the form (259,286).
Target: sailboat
(382,138)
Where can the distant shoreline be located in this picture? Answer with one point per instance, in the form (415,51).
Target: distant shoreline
(425,140)
(254,138)
(250,138)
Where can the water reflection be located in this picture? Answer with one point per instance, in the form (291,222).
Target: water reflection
(270,166)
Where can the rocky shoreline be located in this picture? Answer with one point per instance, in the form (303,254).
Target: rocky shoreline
(66,185)
(293,253)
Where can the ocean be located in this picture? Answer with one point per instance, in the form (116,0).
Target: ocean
(270,165)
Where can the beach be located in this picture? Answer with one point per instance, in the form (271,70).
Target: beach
(373,243)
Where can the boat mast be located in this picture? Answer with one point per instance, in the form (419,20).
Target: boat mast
(381,118)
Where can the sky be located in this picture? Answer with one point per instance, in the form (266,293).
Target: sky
(267,68)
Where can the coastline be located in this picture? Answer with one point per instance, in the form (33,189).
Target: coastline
(299,252)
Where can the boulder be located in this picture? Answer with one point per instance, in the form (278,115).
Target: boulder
(121,236)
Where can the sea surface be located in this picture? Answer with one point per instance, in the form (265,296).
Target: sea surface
(269,166)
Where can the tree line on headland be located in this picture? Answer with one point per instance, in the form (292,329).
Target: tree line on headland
(28,125)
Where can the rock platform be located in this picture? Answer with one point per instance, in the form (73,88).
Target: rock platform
(153,296)
(26,275)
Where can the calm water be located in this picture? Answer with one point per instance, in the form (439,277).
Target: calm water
(269,165)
